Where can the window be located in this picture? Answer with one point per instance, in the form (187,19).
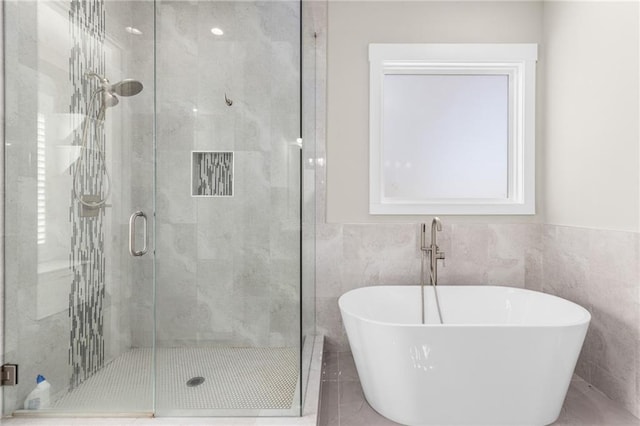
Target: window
(452,128)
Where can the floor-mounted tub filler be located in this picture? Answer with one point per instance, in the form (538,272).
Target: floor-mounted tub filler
(503,356)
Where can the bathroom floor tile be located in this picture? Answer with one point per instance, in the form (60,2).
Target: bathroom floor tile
(354,409)
(586,406)
(347,368)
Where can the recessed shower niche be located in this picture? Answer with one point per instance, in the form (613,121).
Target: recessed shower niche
(211,174)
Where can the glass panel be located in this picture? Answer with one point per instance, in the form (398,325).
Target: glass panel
(310,14)
(72,291)
(228,272)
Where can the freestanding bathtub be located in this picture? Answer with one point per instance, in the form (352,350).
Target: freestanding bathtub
(504,356)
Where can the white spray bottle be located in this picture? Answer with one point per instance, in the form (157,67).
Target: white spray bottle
(40,396)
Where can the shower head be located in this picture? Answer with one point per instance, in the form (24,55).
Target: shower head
(126,87)
(109,99)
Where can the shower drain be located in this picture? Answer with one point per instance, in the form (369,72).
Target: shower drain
(195,381)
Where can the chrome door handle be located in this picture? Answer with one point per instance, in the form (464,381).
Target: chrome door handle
(132,234)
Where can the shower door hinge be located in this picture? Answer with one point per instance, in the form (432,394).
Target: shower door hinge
(9,374)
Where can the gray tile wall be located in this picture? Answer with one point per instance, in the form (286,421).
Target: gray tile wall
(597,269)
(357,255)
(228,268)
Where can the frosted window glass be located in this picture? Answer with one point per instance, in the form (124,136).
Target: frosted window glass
(445,136)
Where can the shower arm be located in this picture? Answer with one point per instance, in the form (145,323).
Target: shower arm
(102,79)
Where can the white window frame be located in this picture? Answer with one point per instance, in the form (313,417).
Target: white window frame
(518,62)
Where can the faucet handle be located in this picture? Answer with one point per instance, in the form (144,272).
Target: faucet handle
(440,255)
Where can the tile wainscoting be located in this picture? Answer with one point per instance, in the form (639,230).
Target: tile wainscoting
(357,255)
(597,269)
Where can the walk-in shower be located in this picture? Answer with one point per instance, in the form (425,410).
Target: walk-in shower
(122,109)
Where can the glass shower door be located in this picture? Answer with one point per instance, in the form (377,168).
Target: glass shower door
(79,101)
(228,208)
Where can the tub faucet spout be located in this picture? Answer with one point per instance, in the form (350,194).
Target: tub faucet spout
(432,249)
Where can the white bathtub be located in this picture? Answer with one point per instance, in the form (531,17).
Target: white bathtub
(504,356)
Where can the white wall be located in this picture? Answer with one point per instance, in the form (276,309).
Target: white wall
(591,113)
(591,183)
(352,26)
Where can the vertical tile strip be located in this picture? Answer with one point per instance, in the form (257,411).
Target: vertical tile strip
(87,258)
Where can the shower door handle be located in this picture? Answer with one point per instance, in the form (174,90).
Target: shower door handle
(132,234)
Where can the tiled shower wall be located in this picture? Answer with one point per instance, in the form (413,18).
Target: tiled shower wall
(227,267)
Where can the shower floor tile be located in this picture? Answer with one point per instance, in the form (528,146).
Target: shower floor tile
(234,379)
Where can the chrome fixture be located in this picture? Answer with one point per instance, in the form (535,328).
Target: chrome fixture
(433,251)
(195,381)
(132,234)
(9,375)
(127,87)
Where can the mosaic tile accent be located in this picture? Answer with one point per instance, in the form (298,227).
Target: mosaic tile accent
(212,174)
(87,258)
